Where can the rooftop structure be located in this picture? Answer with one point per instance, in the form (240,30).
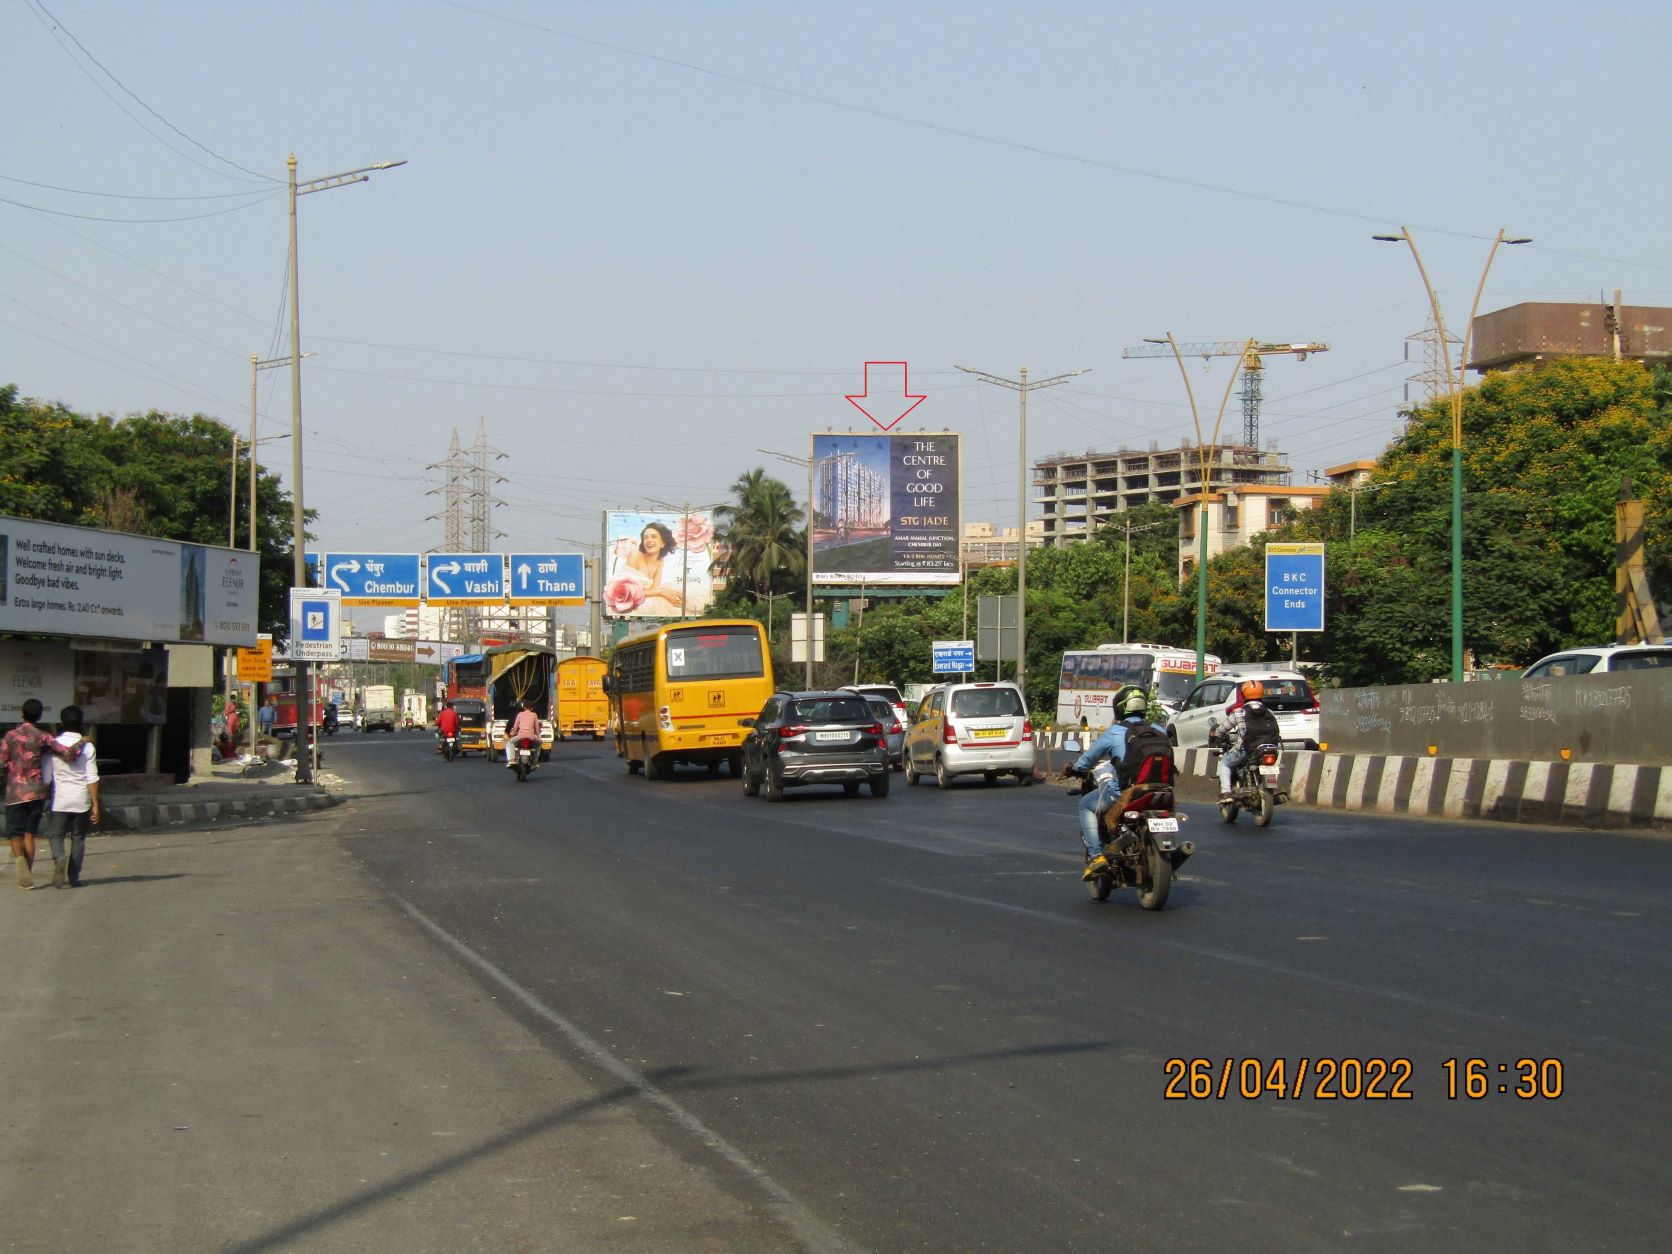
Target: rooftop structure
(1535,331)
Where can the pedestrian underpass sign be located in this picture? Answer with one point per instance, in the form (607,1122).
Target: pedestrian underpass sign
(315,625)
(1294,587)
(547,579)
(464,579)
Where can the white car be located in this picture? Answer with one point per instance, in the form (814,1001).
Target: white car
(1607,657)
(889,693)
(1289,696)
(971,729)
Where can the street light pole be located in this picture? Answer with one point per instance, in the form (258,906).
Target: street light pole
(257,365)
(1454,396)
(1023,387)
(1207,457)
(299,565)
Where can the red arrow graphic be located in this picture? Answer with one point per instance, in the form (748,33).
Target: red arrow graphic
(899,406)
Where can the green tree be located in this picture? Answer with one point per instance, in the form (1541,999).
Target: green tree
(150,474)
(762,549)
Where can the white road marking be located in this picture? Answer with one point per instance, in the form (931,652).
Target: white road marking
(808,1227)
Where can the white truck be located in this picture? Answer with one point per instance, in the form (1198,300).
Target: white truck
(379,708)
(414,709)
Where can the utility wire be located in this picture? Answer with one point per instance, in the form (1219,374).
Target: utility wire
(191,217)
(1037,150)
(77,191)
(53,18)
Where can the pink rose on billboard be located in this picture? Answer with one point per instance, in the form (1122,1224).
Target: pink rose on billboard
(623,594)
(694,531)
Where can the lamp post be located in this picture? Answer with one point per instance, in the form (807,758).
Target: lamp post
(1454,396)
(1023,387)
(299,572)
(1207,452)
(256,366)
(808,463)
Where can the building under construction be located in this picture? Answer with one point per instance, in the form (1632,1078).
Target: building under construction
(1078,492)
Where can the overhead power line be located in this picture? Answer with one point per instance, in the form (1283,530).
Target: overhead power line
(1013,145)
(91,217)
(54,26)
(77,191)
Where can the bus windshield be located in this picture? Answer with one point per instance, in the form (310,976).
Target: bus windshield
(731,652)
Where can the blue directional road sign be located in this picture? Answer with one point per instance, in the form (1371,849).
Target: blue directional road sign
(547,579)
(1294,587)
(953,657)
(464,579)
(315,625)
(374,578)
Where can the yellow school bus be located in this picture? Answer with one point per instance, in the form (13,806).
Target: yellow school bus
(678,694)
(582,707)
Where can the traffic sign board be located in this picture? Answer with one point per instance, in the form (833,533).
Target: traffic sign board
(1294,587)
(315,625)
(255,666)
(374,578)
(379,649)
(953,657)
(548,579)
(464,579)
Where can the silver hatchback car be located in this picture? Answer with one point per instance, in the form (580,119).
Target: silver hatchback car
(971,729)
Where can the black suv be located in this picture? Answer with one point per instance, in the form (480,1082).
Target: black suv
(815,738)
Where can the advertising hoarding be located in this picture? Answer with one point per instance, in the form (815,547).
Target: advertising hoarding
(80,581)
(658,564)
(886,508)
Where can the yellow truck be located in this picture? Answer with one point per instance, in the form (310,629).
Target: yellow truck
(583,709)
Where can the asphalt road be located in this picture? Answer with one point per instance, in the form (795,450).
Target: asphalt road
(904,1025)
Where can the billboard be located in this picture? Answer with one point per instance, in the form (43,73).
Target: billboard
(886,508)
(78,581)
(658,564)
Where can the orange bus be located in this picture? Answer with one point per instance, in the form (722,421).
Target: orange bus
(678,694)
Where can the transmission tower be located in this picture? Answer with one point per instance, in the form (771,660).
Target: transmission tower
(1432,383)
(466,516)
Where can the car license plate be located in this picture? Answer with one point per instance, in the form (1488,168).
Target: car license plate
(987,733)
(1164,825)
(836,735)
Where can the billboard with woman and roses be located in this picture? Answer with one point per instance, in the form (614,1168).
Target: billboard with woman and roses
(658,564)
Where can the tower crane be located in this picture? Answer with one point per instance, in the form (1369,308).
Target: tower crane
(1252,365)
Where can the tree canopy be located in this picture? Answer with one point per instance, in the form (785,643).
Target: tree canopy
(150,474)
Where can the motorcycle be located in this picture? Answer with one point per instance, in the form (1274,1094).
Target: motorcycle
(1255,785)
(331,720)
(1144,848)
(448,747)
(526,753)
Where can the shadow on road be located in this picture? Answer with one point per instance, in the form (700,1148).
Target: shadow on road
(662,1081)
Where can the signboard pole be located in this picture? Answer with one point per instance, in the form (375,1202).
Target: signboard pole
(810,509)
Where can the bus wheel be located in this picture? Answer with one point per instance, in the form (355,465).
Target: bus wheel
(654,767)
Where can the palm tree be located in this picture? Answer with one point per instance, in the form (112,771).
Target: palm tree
(762,548)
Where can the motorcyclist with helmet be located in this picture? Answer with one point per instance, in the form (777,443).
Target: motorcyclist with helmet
(1249,725)
(1101,761)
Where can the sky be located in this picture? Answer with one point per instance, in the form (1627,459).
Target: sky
(640,242)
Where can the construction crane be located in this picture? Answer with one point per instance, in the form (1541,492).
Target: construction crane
(1252,367)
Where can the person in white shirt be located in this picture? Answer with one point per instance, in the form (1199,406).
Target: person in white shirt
(75,799)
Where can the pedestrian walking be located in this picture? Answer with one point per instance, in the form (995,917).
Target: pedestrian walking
(267,717)
(229,732)
(26,790)
(75,799)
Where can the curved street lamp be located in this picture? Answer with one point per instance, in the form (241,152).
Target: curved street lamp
(1454,397)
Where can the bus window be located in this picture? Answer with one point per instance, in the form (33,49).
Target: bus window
(714,653)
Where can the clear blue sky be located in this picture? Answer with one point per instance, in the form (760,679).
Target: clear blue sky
(640,268)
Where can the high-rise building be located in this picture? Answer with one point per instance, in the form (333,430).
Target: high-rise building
(1078,492)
